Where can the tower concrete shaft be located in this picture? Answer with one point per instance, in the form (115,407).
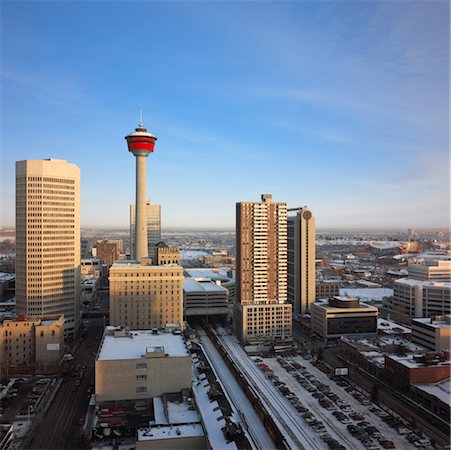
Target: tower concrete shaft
(141,143)
(141,214)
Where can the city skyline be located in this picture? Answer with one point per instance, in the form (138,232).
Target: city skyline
(320,105)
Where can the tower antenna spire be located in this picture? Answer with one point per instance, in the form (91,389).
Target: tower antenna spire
(141,118)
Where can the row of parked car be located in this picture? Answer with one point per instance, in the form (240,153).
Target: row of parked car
(367,434)
(394,422)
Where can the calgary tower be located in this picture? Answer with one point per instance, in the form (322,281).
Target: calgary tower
(141,143)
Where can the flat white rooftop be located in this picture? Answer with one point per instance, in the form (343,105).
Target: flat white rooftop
(213,274)
(138,343)
(193,285)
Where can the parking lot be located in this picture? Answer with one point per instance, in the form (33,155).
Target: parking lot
(340,414)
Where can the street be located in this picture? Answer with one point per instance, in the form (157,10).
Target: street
(59,428)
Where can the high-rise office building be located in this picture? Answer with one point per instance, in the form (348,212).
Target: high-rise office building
(153,213)
(301,259)
(48,240)
(261,312)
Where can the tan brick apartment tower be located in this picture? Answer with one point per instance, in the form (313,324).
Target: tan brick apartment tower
(301,259)
(48,240)
(261,312)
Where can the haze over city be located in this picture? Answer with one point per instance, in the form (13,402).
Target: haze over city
(341,106)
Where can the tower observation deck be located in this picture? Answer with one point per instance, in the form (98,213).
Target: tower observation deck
(141,143)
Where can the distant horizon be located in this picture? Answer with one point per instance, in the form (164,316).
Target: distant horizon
(230,229)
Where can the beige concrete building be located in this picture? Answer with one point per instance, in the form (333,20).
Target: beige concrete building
(261,244)
(138,365)
(343,316)
(434,270)
(153,214)
(33,345)
(48,240)
(432,333)
(301,259)
(416,299)
(147,296)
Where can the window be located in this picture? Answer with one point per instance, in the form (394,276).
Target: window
(141,365)
(141,389)
(141,377)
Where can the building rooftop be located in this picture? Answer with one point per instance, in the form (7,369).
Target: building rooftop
(412,362)
(413,282)
(441,390)
(213,274)
(135,265)
(435,322)
(390,327)
(5,277)
(201,285)
(153,433)
(134,344)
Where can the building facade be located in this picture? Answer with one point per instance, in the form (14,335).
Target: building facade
(433,333)
(261,244)
(431,271)
(108,251)
(301,259)
(153,213)
(416,299)
(147,296)
(136,365)
(342,316)
(31,344)
(326,289)
(48,240)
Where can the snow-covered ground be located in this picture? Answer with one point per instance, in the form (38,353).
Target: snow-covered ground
(245,412)
(297,433)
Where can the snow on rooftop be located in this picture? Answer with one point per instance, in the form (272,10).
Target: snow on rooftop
(367,294)
(441,390)
(152,433)
(439,322)
(388,326)
(196,285)
(138,342)
(410,362)
(413,282)
(181,412)
(213,274)
(5,277)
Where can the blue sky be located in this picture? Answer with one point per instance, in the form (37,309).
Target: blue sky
(342,106)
